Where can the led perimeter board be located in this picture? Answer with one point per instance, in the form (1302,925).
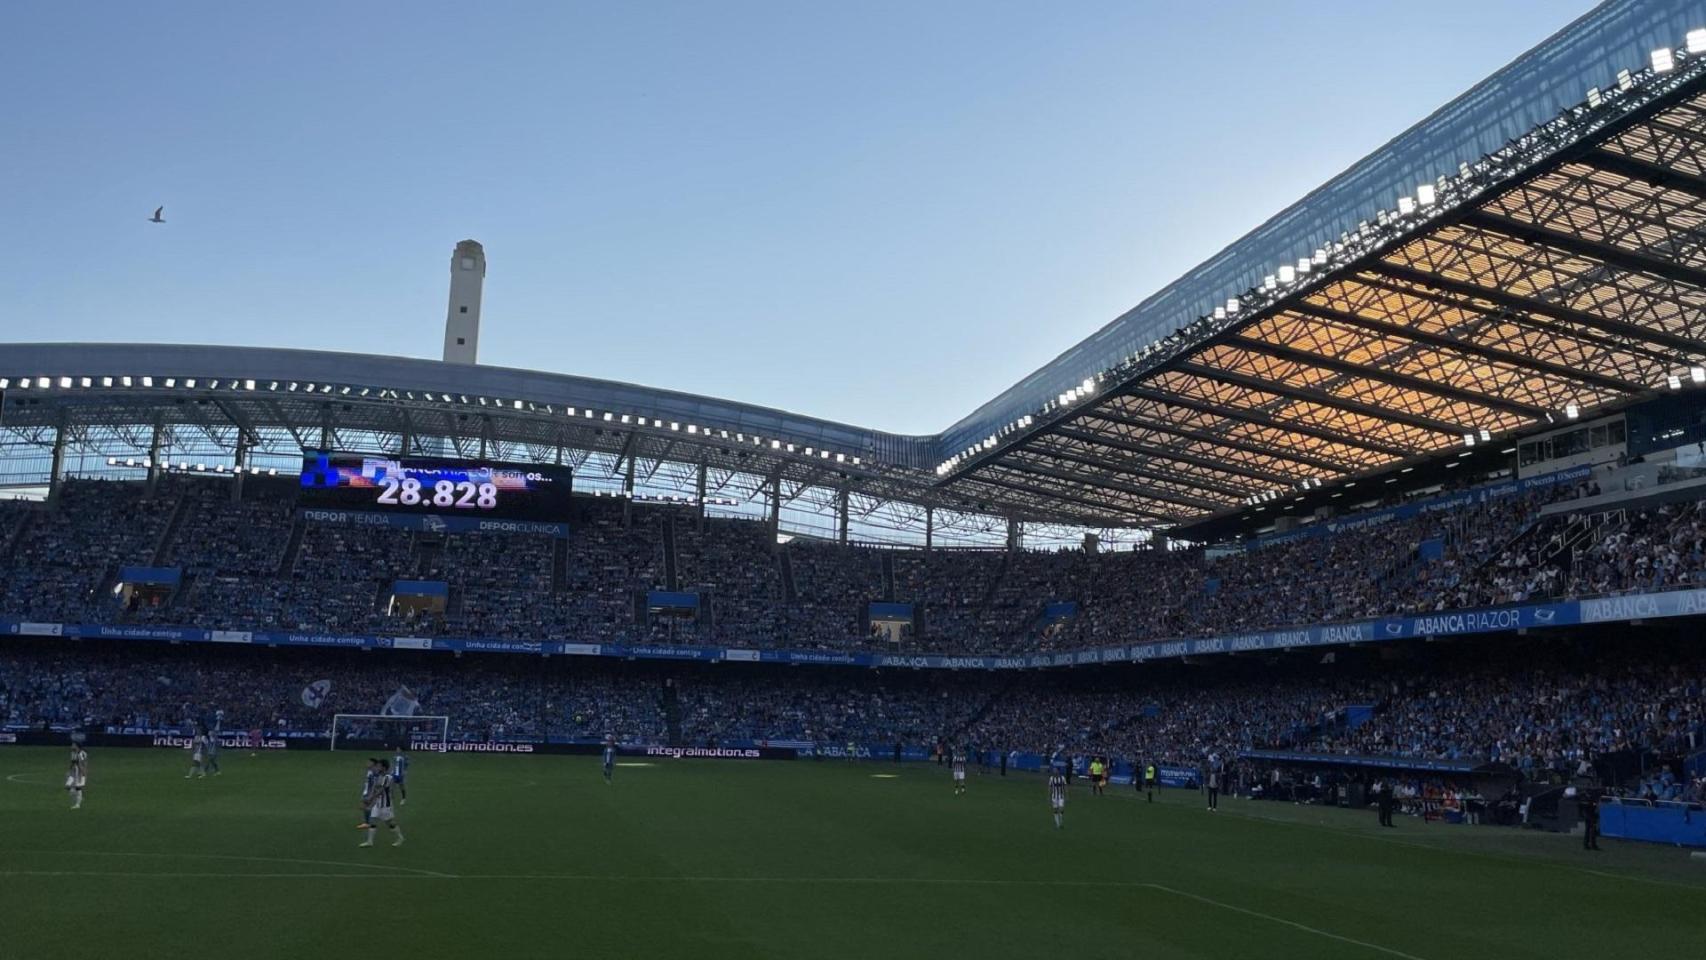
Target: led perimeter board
(431,485)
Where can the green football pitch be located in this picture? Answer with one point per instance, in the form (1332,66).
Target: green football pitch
(520,857)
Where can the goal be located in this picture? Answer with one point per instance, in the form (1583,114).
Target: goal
(367,731)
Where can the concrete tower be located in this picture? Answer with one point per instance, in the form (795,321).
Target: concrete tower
(462,322)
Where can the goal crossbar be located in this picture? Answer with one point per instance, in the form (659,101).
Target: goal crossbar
(430,727)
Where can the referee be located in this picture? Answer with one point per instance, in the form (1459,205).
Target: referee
(1383,796)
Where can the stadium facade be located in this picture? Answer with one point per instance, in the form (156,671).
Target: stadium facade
(1524,258)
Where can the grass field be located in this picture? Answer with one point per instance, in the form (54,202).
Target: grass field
(520,857)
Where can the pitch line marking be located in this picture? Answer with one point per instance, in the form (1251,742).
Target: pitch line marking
(573,877)
(222,856)
(27,779)
(1447,849)
(1281,920)
(144,875)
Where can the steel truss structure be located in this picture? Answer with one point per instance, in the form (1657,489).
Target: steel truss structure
(1562,278)
(153,408)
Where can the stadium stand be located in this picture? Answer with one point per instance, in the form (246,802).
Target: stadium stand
(1529,305)
(252,566)
(1546,710)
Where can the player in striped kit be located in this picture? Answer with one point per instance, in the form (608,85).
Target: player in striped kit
(399,770)
(77,776)
(1057,797)
(959,768)
(369,779)
(198,750)
(378,802)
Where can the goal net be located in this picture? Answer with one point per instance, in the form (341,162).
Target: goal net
(370,731)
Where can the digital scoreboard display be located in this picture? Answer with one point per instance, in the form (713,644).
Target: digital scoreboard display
(429,485)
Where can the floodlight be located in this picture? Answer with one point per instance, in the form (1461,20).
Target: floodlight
(1663,62)
(1695,41)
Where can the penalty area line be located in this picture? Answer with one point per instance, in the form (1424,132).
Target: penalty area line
(1281,920)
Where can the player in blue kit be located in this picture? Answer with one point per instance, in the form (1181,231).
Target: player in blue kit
(609,758)
(213,729)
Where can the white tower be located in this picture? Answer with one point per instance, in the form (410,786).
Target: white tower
(462,322)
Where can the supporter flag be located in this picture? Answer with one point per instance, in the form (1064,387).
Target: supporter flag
(401,704)
(316,693)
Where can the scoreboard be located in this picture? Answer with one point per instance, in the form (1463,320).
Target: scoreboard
(429,485)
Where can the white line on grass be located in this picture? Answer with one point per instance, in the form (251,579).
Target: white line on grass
(585,877)
(144,875)
(1450,850)
(223,856)
(25,778)
(1281,920)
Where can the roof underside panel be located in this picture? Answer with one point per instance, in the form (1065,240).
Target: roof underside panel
(1528,92)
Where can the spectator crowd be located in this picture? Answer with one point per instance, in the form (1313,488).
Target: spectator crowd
(251,563)
(1539,706)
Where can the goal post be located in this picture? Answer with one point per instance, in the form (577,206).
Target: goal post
(384,730)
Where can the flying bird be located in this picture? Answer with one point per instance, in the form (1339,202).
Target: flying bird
(157,218)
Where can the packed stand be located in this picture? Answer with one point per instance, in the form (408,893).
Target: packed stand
(252,565)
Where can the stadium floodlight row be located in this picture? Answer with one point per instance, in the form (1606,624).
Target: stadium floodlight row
(1550,278)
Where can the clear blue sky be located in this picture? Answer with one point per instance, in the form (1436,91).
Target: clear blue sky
(882,213)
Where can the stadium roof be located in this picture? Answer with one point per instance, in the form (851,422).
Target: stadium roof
(305,399)
(1536,280)
(1559,275)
